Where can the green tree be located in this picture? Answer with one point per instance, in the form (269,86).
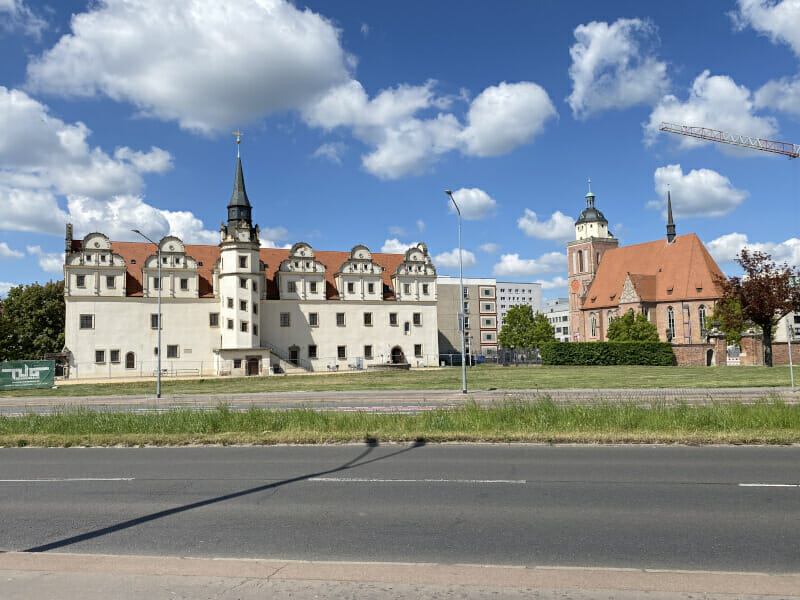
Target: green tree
(632,328)
(523,329)
(728,313)
(32,321)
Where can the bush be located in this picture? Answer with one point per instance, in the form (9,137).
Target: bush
(607,353)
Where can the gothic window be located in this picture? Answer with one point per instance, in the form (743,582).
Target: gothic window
(701,316)
(593,325)
(580,261)
(670,323)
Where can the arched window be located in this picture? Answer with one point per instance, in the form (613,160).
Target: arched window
(130,360)
(701,316)
(610,316)
(593,325)
(670,323)
(580,261)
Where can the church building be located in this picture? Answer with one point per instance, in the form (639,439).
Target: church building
(238,308)
(673,280)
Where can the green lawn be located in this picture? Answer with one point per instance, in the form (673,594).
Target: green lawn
(479,377)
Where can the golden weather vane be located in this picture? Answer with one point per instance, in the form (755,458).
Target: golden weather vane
(238,135)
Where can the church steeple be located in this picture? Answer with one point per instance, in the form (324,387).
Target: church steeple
(239,208)
(670,222)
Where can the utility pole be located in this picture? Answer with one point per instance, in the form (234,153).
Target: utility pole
(158,347)
(461,297)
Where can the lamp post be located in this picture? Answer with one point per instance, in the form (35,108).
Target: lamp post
(460,297)
(158,347)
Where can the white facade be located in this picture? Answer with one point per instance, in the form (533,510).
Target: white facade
(512,294)
(790,321)
(557,312)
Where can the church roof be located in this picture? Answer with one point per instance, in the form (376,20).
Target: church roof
(660,271)
(239,195)
(590,214)
(271,257)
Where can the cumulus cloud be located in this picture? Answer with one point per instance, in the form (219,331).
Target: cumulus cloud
(474,203)
(394,246)
(15,15)
(489,248)
(511,265)
(613,67)
(780,21)
(332,151)
(698,193)
(557,283)
(449,260)
(396,230)
(716,102)
(5,286)
(407,130)
(559,227)
(49,262)
(206,65)
(273,237)
(781,94)
(6,252)
(725,248)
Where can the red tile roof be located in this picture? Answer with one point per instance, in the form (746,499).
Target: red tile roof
(660,272)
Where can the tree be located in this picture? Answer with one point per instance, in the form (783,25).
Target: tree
(32,321)
(728,313)
(632,328)
(766,291)
(523,329)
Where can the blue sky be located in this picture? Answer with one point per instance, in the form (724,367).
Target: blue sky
(358,115)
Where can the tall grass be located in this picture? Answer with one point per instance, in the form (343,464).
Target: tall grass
(766,421)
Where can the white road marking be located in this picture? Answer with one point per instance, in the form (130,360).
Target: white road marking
(377,480)
(62,479)
(791,485)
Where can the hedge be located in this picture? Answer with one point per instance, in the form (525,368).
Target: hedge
(607,353)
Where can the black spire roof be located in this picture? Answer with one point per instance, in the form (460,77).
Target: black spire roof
(670,222)
(590,214)
(239,208)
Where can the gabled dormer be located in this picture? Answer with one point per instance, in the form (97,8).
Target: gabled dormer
(301,276)
(360,277)
(94,269)
(179,274)
(415,278)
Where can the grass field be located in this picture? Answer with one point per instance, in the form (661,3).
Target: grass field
(479,377)
(543,421)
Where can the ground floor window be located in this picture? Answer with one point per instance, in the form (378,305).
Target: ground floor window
(115,356)
(312,351)
(237,363)
(418,350)
(341,351)
(172,351)
(99,356)
(368,352)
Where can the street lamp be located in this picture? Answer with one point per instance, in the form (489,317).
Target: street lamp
(461,296)
(158,348)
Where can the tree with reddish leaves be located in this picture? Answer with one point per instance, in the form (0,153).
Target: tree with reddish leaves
(766,291)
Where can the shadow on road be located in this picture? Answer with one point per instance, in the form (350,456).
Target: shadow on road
(351,464)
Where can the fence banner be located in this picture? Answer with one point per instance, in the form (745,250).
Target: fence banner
(20,374)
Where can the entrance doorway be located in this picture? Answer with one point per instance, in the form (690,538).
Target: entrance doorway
(397,355)
(709,358)
(294,355)
(252,366)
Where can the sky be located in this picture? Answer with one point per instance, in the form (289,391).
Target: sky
(358,115)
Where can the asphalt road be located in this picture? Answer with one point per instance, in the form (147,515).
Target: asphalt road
(620,506)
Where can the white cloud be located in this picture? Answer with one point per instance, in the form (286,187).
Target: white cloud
(613,68)
(780,21)
(559,227)
(6,252)
(449,260)
(332,151)
(781,94)
(31,210)
(715,102)
(16,16)
(474,203)
(511,265)
(364,29)
(155,161)
(406,142)
(725,248)
(395,230)
(394,246)
(209,66)
(272,237)
(5,286)
(420,225)
(699,193)
(49,262)
(489,248)
(557,283)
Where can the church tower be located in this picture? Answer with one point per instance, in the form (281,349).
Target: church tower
(241,273)
(584,253)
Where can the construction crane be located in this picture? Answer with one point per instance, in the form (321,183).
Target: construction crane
(746,141)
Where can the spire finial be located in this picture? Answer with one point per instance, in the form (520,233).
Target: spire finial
(238,135)
(589,181)
(670,222)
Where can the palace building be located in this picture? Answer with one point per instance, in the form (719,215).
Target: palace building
(674,280)
(237,308)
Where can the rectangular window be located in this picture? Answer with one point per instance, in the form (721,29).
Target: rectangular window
(111,282)
(424,289)
(243,283)
(80,281)
(255,285)
(312,351)
(285,321)
(393,319)
(184,284)
(156,283)
(466,307)
(255,308)
(368,352)
(87,322)
(237,363)
(407,289)
(114,356)
(312,287)
(417,319)
(487,307)
(243,326)
(371,288)
(243,305)
(341,352)
(466,293)
(313,319)
(172,351)
(367,319)
(340,319)
(466,322)
(155,351)
(230,323)
(230,302)
(154,321)
(255,329)
(351,287)
(291,287)
(99,356)
(487,292)
(418,350)
(213,319)
(242,262)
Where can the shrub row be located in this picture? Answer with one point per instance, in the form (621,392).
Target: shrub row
(607,353)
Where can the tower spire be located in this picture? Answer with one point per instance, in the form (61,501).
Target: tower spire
(670,222)
(589,196)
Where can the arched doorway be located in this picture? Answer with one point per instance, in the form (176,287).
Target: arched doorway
(130,360)
(397,355)
(709,358)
